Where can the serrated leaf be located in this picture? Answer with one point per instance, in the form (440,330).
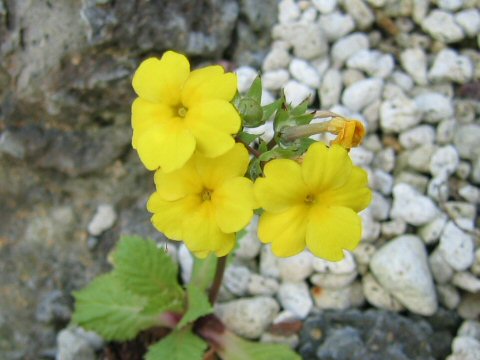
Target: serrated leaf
(248,138)
(178,345)
(255,91)
(198,305)
(237,348)
(204,271)
(147,270)
(300,109)
(107,308)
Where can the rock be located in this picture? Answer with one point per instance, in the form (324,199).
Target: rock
(415,180)
(104,218)
(347,46)
(470,193)
(248,317)
(434,106)
(325,6)
(438,189)
(249,245)
(441,270)
(441,25)
(295,297)
(77,344)
(245,77)
(414,61)
(278,57)
(393,228)
(330,88)
(236,279)
(360,12)
(363,253)
(288,11)
(275,79)
(345,266)
(362,93)
(261,285)
(411,206)
(449,66)
(336,25)
(469,21)
(12,145)
(343,298)
(371,228)
(466,281)
(430,232)
(382,181)
(296,92)
(333,281)
(470,328)
(54,306)
(403,80)
(462,213)
(468,308)
(185,260)
(379,207)
(401,267)
(444,161)
(385,159)
(305,73)
(463,170)
(466,141)
(378,296)
(456,247)
(361,156)
(465,344)
(448,296)
(398,114)
(269,266)
(419,135)
(420,157)
(373,62)
(296,268)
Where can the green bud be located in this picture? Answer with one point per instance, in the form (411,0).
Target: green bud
(251,112)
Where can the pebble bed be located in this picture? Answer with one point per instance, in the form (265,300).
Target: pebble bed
(406,69)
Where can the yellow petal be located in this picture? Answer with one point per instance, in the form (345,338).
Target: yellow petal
(282,186)
(215,171)
(168,145)
(234,204)
(326,168)
(201,232)
(354,194)
(213,123)
(286,230)
(169,216)
(208,85)
(145,114)
(330,230)
(161,81)
(179,183)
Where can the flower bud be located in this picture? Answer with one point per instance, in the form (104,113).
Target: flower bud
(250,111)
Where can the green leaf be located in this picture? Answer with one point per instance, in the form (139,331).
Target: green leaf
(254,169)
(110,310)
(204,271)
(300,109)
(255,91)
(147,270)
(198,305)
(178,345)
(248,138)
(281,120)
(270,109)
(237,348)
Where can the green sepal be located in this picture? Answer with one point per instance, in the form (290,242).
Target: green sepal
(270,109)
(198,305)
(178,345)
(255,91)
(248,138)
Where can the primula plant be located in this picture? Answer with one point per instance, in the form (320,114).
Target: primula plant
(212,175)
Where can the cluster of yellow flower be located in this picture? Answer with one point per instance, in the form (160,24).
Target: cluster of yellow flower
(184,126)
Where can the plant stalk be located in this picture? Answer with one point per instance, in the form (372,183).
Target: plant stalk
(217,280)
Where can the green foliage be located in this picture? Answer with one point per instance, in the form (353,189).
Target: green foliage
(204,271)
(178,345)
(132,297)
(198,305)
(292,116)
(240,349)
(255,91)
(247,138)
(270,109)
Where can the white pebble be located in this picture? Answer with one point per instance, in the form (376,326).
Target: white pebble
(466,281)
(448,296)
(411,206)
(441,25)
(296,93)
(450,66)
(295,297)
(456,247)
(245,77)
(340,299)
(288,11)
(275,79)
(441,270)
(361,13)
(104,218)
(261,285)
(236,279)
(430,232)
(398,114)
(330,88)
(305,73)
(378,296)
(325,6)
(296,268)
(434,107)
(419,135)
(348,45)
(362,93)
(444,161)
(469,20)
(336,25)
(373,62)
(414,61)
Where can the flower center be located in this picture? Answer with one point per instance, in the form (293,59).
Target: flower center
(206,194)
(182,111)
(310,199)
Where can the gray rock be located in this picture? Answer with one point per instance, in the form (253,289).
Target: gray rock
(441,25)
(434,106)
(398,114)
(411,206)
(419,135)
(236,279)
(261,285)
(401,267)
(331,88)
(414,61)
(343,298)
(448,296)
(347,46)
(449,66)
(295,297)
(305,73)
(378,296)
(466,281)
(441,270)
(466,141)
(362,93)
(336,25)
(104,218)
(296,268)
(468,308)
(456,247)
(469,20)
(77,344)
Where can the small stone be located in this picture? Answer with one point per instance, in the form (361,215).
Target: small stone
(296,93)
(450,5)
(434,107)
(463,170)
(476,265)
(360,12)
(385,159)
(249,245)
(236,279)
(361,156)
(104,218)
(415,180)
(333,281)
(441,270)
(403,80)
(325,6)
(261,285)
(345,266)
(371,228)
(438,189)
(10,144)
(364,252)
(379,207)
(185,259)
(456,247)
(419,135)
(463,213)
(341,299)
(275,79)
(373,62)
(445,131)
(290,340)
(362,93)
(470,328)
(382,181)
(269,263)
(468,308)
(305,73)
(466,141)
(412,206)
(245,77)
(420,157)
(466,281)
(444,161)
(465,344)
(393,228)
(248,317)
(430,232)
(378,296)
(441,25)
(470,193)
(296,268)
(448,296)
(288,11)
(449,66)
(347,46)
(73,346)
(414,61)
(331,88)
(277,58)
(469,20)
(401,267)
(336,25)
(398,114)
(295,297)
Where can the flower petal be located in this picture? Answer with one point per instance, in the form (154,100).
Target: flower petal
(179,183)
(215,171)
(354,194)
(326,168)
(169,216)
(161,81)
(168,145)
(286,230)
(234,204)
(207,84)
(281,187)
(145,114)
(213,123)
(330,230)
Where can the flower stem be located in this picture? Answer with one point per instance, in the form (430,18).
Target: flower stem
(217,281)
(302,131)
(251,150)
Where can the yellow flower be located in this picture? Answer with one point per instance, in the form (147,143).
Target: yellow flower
(178,111)
(205,202)
(350,133)
(312,204)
